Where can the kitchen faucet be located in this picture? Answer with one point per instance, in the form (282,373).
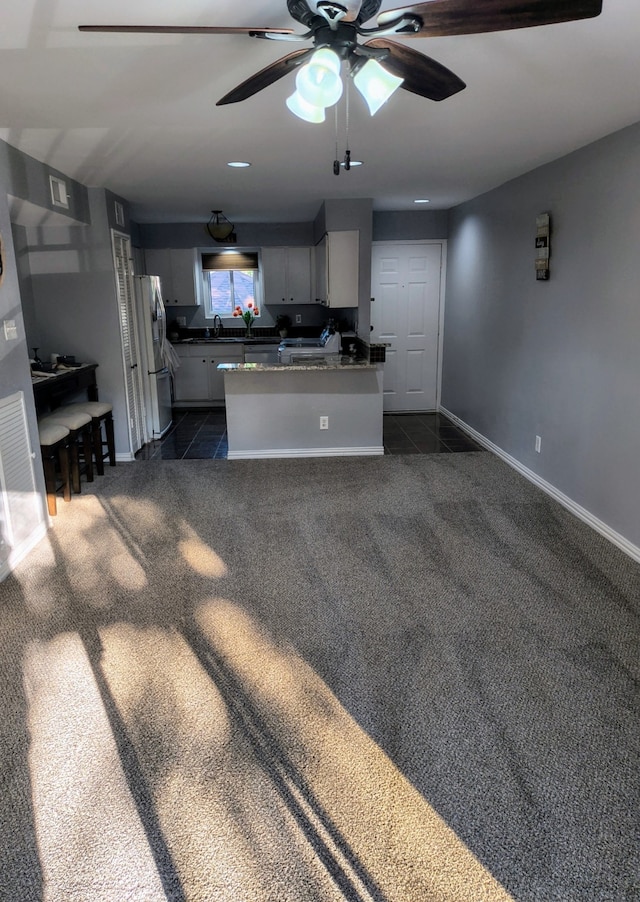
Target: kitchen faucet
(217,325)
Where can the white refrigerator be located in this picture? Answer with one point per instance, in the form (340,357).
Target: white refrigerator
(154,357)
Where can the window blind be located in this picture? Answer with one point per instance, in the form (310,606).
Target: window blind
(231,260)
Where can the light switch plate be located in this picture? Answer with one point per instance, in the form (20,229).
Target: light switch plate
(10,329)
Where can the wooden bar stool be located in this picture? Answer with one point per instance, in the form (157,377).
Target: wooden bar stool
(100,412)
(54,439)
(79,425)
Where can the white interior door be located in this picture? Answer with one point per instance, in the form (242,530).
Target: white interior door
(130,341)
(406,286)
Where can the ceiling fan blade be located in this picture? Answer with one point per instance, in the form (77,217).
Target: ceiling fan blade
(421,74)
(450,17)
(183,29)
(267,76)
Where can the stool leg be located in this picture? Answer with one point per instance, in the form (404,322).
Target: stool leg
(111,442)
(87,450)
(49,466)
(96,433)
(63,454)
(75,464)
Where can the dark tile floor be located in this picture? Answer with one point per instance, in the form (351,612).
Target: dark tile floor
(424,433)
(202,434)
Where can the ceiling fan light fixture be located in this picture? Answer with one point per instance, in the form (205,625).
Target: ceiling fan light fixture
(219,227)
(319,82)
(303,110)
(376,84)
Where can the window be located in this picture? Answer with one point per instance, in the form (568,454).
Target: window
(231,280)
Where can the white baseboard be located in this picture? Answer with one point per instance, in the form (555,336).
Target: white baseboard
(582,513)
(305,452)
(18,554)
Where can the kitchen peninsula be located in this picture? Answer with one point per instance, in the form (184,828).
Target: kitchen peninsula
(328,409)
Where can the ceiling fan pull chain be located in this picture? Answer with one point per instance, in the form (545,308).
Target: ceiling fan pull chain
(336,162)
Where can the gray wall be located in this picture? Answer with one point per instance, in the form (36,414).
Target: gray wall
(558,359)
(411,225)
(73,285)
(24,191)
(26,179)
(194,234)
(15,374)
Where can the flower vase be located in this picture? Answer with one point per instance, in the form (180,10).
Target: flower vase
(247,334)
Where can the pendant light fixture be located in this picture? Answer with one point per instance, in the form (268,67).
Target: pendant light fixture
(220,229)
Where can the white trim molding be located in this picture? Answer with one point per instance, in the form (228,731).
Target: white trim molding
(582,513)
(305,452)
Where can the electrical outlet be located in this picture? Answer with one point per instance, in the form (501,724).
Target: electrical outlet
(538,443)
(298,319)
(324,422)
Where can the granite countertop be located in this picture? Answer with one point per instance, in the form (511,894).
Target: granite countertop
(268,340)
(342,363)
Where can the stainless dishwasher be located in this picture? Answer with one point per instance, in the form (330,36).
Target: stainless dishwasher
(261,353)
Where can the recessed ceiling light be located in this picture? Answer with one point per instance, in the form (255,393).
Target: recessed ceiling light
(238,164)
(422,200)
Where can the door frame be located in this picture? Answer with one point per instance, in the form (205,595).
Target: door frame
(416,242)
(137,385)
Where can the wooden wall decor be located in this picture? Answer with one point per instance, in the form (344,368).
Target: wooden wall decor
(543,246)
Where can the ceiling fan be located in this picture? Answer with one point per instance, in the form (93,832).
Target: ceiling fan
(336,25)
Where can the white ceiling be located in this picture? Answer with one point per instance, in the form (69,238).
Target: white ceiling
(136,113)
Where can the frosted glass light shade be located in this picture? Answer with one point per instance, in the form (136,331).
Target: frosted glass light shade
(319,82)
(376,84)
(304,110)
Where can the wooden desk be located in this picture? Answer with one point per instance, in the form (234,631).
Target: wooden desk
(52,391)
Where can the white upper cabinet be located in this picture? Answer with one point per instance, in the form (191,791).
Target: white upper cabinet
(287,275)
(337,268)
(180,276)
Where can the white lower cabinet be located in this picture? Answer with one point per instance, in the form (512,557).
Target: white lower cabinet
(215,384)
(198,381)
(191,380)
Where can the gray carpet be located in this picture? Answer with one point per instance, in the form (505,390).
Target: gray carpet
(396,679)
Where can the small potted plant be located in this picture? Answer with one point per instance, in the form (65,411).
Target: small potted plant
(282,324)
